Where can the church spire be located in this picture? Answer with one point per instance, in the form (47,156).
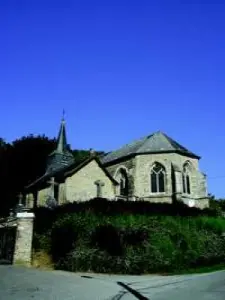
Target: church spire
(62,141)
(61,157)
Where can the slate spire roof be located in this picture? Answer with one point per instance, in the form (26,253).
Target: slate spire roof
(62,141)
(58,161)
(157,142)
(61,157)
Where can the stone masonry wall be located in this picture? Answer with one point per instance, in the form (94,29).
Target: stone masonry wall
(81,186)
(130,167)
(139,169)
(62,193)
(144,163)
(30,200)
(42,196)
(142,177)
(179,161)
(24,236)
(200,203)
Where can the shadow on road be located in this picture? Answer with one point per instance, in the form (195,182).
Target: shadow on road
(128,289)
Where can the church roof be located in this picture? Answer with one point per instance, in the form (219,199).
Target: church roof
(67,171)
(157,142)
(72,170)
(59,160)
(43,179)
(62,140)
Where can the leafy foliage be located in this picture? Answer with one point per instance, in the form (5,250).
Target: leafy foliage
(133,241)
(80,155)
(21,162)
(106,238)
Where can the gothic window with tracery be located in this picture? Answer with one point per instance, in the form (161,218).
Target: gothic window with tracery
(186,179)
(158,178)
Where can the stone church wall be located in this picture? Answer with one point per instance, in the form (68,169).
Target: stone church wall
(129,166)
(142,182)
(81,186)
(199,203)
(62,193)
(139,169)
(42,196)
(142,179)
(198,182)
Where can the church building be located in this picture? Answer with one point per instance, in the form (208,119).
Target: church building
(154,168)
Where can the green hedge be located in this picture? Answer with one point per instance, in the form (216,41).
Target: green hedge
(128,242)
(106,207)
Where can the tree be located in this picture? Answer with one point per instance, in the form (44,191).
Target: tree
(21,163)
(80,155)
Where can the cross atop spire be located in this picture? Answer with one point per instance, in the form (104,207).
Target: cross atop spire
(63,115)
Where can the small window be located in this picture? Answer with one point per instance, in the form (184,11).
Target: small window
(99,187)
(123,183)
(157,178)
(99,191)
(122,178)
(56,192)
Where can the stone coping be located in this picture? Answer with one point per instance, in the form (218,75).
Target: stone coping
(25,215)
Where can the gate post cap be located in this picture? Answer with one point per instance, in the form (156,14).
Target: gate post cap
(25,215)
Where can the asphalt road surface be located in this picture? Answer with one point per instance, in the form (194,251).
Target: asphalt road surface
(17,283)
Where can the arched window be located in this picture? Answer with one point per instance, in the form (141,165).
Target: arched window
(123,182)
(186,179)
(158,178)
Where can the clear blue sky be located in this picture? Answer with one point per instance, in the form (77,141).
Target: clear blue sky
(120,69)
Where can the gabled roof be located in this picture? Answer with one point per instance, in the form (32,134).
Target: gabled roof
(68,171)
(72,170)
(44,178)
(157,142)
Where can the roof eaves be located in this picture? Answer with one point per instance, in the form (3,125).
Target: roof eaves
(37,181)
(53,173)
(188,154)
(126,157)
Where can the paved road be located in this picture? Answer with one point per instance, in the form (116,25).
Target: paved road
(19,283)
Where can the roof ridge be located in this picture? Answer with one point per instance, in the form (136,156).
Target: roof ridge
(173,141)
(157,142)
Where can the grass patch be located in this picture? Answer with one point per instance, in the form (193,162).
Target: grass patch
(198,270)
(42,260)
